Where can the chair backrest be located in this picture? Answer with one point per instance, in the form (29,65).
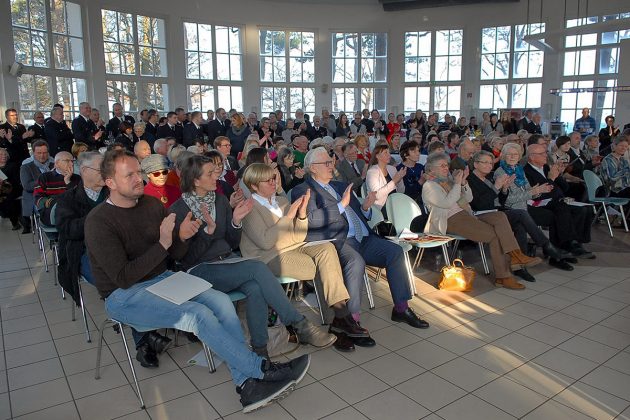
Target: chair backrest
(593,182)
(401,210)
(377,217)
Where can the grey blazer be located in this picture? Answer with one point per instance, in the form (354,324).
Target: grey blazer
(350,176)
(29,174)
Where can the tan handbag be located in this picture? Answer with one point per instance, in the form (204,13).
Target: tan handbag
(457,277)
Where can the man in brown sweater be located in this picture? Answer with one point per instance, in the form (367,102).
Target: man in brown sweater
(128,239)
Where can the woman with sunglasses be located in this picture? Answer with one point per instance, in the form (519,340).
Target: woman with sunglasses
(156,168)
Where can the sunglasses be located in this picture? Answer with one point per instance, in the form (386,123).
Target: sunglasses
(158,173)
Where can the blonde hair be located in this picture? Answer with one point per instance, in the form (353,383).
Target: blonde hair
(360,137)
(257,173)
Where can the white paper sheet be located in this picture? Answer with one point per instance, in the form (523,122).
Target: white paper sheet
(179,287)
(314,243)
(542,203)
(407,234)
(477,213)
(3,177)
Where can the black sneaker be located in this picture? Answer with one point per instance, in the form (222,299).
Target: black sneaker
(256,394)
(294,369)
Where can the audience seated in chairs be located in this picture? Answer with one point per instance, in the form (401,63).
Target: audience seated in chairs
(52,184)
(556,215)
(570,226)
(155,167)
(352,170)
(615,169)
(129,239)
(334,212)
(275,231)
(448,198)
(489,194)
(218,236)
(30,172)
(10,190)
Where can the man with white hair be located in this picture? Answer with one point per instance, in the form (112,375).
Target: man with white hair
(161,147)
(334,213)
(300,147)
(464,153)
(52,184)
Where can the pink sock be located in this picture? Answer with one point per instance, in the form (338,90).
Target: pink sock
(356,317)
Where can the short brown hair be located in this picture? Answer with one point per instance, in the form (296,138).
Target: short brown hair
(108,165)
(379,148)
(191,170)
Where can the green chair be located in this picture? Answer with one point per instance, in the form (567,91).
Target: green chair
(592,183)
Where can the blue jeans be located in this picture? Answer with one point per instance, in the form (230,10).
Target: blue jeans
(377,252)
(255,280)
(210,316)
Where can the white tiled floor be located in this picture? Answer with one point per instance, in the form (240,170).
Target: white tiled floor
(558,350)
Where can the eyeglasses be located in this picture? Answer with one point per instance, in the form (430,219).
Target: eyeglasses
(226,145)
(485,162)
(94,169)
(158,173)
(512,155)
(328,163)
(66,160)
(270,180)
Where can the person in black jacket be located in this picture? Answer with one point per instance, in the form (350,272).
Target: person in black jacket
(489,195)
(58,134)
(15,137)
(193,132)
(85,130)
(10,190)
(112,127)
(217,127)
(38,127)
(152,122)
(170,129)
(570,226)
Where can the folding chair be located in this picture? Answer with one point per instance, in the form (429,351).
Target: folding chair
(592,183)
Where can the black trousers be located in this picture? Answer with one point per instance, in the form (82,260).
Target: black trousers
(566,223)
(522,225)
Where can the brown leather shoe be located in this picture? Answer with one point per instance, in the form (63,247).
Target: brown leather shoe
(348,326)
(519,260)
(343,343)
(508,283)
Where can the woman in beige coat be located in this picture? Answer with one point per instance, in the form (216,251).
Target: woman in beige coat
(274,231)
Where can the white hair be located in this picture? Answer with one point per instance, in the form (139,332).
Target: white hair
(314,154)
(159,143)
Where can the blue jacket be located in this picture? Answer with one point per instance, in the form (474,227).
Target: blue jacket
(324,219)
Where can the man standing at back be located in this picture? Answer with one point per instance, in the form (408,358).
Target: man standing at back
(585,125)
(58,134)
(218,126)
(16,137)
(114,122)
(85,130)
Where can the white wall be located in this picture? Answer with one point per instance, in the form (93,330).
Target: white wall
(323,18)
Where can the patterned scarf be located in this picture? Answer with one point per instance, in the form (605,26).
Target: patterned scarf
(520,179)
(195,203)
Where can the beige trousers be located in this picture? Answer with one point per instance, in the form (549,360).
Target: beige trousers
(492,228)
(319,262)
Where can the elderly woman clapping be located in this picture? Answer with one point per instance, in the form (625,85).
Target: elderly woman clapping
(448,198)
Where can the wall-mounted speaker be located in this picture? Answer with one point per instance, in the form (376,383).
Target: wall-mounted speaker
(16,69)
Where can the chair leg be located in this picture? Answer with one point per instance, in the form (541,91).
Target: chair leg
(84,313)
(484,260)
(133,369)
(209,358)
(368,289)
(319,302)
(608,220)
(623,217)
(454,250)
(418,258)
(412,279)
(99,349)
(447,258)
